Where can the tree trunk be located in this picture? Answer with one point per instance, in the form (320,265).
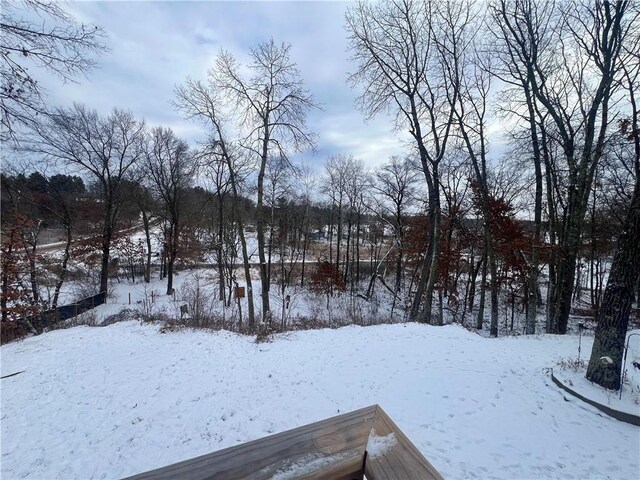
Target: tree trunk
(63,271)
(339,239)
(104,268)
(260,222)
(170,264)
(493,327)
(425,315)
(473,272)
(347,254)
(260,225)
(247,275)
(33,276)
(147,234)
(483,283)
(613,315)
(107,235)
(331,235)
(220,249)
(532,300)
(564,290)
(429,272)
(358,246)
(304,259)
(4,276)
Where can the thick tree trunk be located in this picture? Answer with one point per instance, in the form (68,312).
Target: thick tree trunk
(564,289)
(426,314)
(429,271)
(422,282)
(613,315)
(170,264)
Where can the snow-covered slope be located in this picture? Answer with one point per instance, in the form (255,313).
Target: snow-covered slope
(114,401)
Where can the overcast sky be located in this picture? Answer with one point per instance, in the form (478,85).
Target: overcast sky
(156,45)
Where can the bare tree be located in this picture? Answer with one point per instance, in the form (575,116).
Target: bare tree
(199,101)
(456,237)
(514,66)
(272,105)
(400,70)
(104,148)
(171,167)
(334,187)
(573,71)
(469,77)
(54,42)
(56,203)
(356,182)
(395,186)
(613,316)
(216,172)
(148,208)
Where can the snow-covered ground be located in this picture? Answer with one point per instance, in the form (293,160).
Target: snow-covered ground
(304,306)
(113,401)
(628,402)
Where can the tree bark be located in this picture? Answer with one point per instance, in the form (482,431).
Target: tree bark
(260,226)
(613,315)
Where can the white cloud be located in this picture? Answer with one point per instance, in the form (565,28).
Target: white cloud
(156,45)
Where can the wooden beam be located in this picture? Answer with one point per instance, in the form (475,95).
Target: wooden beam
(346,447)
(391,455)
(332,448)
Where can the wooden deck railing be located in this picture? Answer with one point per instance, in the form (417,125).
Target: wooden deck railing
(346,447)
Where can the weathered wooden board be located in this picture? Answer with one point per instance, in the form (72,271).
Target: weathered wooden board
(398,458)
(332,448)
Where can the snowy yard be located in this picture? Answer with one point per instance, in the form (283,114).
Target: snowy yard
(118,400)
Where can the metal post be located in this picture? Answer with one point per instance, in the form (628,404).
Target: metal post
(580,327)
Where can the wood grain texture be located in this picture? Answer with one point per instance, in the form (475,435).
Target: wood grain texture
(332,448)
(401,460)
